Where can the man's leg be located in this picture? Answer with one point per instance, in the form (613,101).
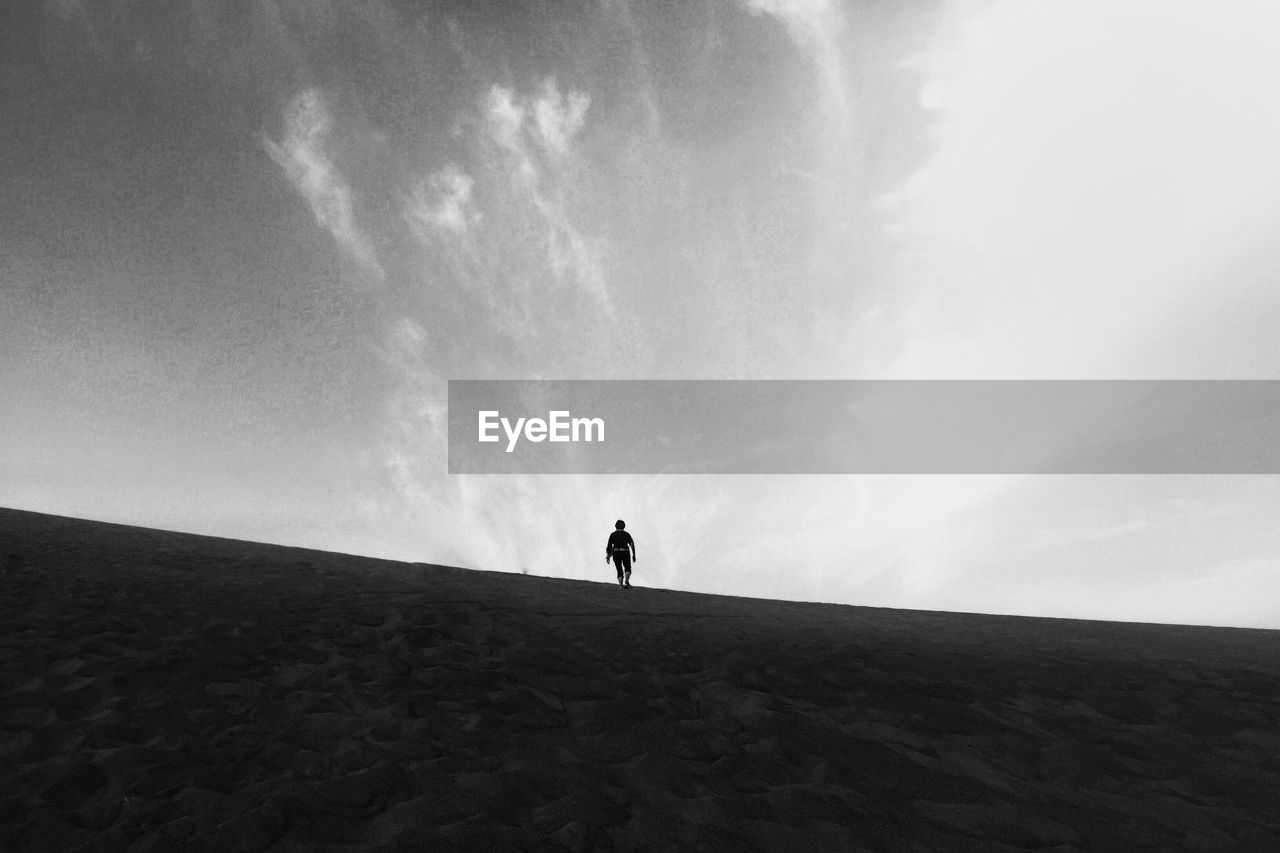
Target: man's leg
(626,570)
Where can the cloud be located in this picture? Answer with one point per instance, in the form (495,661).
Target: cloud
(804,18)
(816,26)
(1074,211)
(541,128)
(304,159)
(506,119)
(443,204)
(535,137)
(536,129)
(558,117)
(417,416)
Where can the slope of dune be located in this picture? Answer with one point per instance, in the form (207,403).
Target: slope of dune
(164,691)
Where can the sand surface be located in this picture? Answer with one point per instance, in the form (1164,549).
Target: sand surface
(160,691)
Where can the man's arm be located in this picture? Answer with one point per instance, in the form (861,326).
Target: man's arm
(632,542)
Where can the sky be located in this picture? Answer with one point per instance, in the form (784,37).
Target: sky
(244,246)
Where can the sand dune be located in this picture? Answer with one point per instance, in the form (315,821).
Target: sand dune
(163,691)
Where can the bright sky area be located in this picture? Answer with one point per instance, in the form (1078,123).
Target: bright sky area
(243,247)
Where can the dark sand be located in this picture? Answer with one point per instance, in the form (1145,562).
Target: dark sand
(163,691)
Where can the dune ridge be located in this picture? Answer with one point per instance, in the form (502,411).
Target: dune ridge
(165,691)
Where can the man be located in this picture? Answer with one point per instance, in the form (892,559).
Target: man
(622,549)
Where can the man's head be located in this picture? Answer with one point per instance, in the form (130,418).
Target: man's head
(619,524)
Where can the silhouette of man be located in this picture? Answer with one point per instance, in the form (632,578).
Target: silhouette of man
(621,548)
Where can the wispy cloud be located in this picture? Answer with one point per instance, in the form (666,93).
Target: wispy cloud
(418,414)
(558,117)
(506,120)
(817,27)
(535,136)
(442,203)
(304,158)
